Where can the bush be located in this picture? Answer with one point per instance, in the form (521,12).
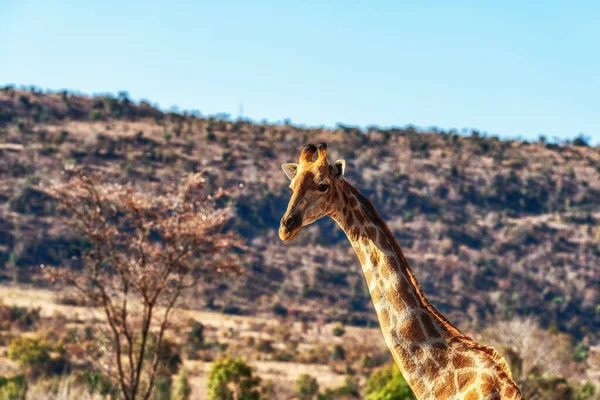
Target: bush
(182,389)
(61,136)
(30,352)
(419,145)
(168,356)
(347,391)
(23,100)
(307,387)
(338,329)
(387,383)
(14,388)
(580,353)
(5,117)
(548,386)
(196,335)
(96,115)
(264,346)
(38,356)
(284,356)
(97,383)
(232,375)
(162,388)
(21,126)
(30,200)
(581,140)
(23,317)
(338,353)
(280,310)
(42,115)
(269,390)
(585,392)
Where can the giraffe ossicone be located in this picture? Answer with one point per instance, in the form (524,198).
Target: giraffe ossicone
(437,360)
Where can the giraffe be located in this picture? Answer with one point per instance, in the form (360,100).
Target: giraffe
(437,360)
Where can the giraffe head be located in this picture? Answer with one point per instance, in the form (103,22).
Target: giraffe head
(313,185)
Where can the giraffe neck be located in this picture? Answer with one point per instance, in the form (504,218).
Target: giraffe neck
(435,358)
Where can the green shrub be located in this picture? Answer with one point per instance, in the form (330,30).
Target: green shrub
(30,351)
(387,383)
(581,140)
(584,392)
(24,101)
(307,387)
(5,117)
(14,388)
(21,126)
(279,309)
(182,389)
(97,383)
(408,215)
(38,356)
(338,329)
(283,355)
(61,136)
(454,171)
(169,356)
(366,361)
(162,388)
(264,346)
(580,353)
(113,106)
(24,317)
(210,130)
(338,353)
(232,375)
(31,200)
(347,391)
(96,115)
(27,316)
(548,386)
(43,115)
(196,335)
(268,390)
(419,145)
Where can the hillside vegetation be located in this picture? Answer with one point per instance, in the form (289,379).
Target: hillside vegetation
(493,229)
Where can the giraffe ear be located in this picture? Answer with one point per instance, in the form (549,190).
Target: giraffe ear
(338,169)
(290,170)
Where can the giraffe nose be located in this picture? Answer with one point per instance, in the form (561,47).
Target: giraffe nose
(291,221)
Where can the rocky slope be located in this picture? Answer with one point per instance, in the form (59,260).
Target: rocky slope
(493,228)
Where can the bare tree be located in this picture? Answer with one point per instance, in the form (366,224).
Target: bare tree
(145,250)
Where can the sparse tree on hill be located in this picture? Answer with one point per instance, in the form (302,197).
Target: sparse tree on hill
(145,249)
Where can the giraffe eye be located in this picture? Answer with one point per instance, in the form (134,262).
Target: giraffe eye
(323,187)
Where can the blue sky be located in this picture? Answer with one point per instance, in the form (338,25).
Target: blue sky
(510,68)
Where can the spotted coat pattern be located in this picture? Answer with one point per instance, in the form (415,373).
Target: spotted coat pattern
(437,360)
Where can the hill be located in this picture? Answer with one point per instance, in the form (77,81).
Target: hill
(492,228)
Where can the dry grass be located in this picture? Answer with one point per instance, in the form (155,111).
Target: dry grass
(220,326)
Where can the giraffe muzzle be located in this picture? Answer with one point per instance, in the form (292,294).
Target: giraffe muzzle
(290,225)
